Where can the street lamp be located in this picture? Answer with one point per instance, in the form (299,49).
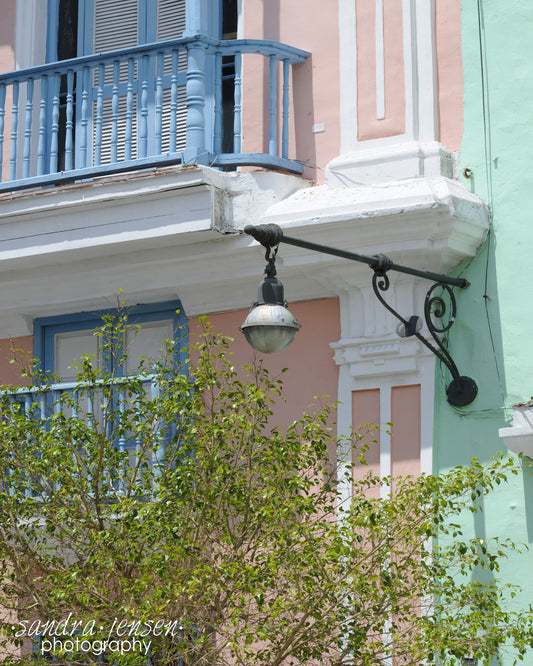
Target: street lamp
(270,327)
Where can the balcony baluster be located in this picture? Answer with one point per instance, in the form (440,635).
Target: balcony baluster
(139,107)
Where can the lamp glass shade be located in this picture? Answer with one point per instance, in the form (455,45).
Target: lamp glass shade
(270,327)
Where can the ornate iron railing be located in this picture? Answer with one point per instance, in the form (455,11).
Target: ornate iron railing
(177,101)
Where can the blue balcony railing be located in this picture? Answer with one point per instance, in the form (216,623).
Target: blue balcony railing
(177,101)
(111,409)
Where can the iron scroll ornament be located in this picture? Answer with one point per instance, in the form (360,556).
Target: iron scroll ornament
(439,318)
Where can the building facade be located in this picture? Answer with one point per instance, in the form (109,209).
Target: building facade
(136,142)
(494,318)
(136,168)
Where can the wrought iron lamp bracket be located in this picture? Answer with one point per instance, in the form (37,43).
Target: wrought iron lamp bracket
(439,317)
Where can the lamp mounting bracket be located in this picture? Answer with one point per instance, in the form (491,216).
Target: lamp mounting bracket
(440,307)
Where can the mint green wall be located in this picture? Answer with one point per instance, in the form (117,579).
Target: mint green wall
(492,339)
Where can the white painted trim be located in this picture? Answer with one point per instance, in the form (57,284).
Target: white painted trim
(71,248)
(344,433)
(416,151)
(240,19)
(519,437)
(371,356)
(427,408)
(410,58)
(426,88)
(387,161)
(348,75)
(385,439)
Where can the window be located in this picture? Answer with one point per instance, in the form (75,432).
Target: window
(60,341)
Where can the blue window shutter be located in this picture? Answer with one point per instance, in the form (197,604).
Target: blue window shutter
(170,19)
(47,329)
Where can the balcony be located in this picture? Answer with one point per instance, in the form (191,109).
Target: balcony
(172,102)
(118,414)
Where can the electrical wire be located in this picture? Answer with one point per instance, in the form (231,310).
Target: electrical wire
(487,145)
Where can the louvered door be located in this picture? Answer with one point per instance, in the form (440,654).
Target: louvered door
(116,26)
(171,24)
(120,24)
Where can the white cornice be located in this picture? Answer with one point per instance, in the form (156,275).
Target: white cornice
(434,222)
(379,356)
(176,233)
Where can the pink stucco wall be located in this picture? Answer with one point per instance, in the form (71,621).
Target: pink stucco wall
(304,24)
(7,59)
(449,72)
(311,370)
(366,418)
(20,350)
(405,431)
(368,126)
(316,88)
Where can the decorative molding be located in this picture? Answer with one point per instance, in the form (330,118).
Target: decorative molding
(371,356)
(432,223)
(416,151)
(385,160)
(380,356)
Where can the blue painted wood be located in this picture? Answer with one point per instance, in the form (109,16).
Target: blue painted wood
(285,111)
(263,160)
(217,138)
(27,129)
(159,451)
(140,85)
(193,18)
(273,111)
(147,18)
(14,131)
(46,328)
(195,91)
(69,142)
(85,27)
(114,112)
(237,103)
(84,121)
(229,47)
(173,127)
(41,145)
(55,123)
(94,171)
(143,116)
(99,116)
(128,139)
(52,26)
(160,64)
(2,122)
